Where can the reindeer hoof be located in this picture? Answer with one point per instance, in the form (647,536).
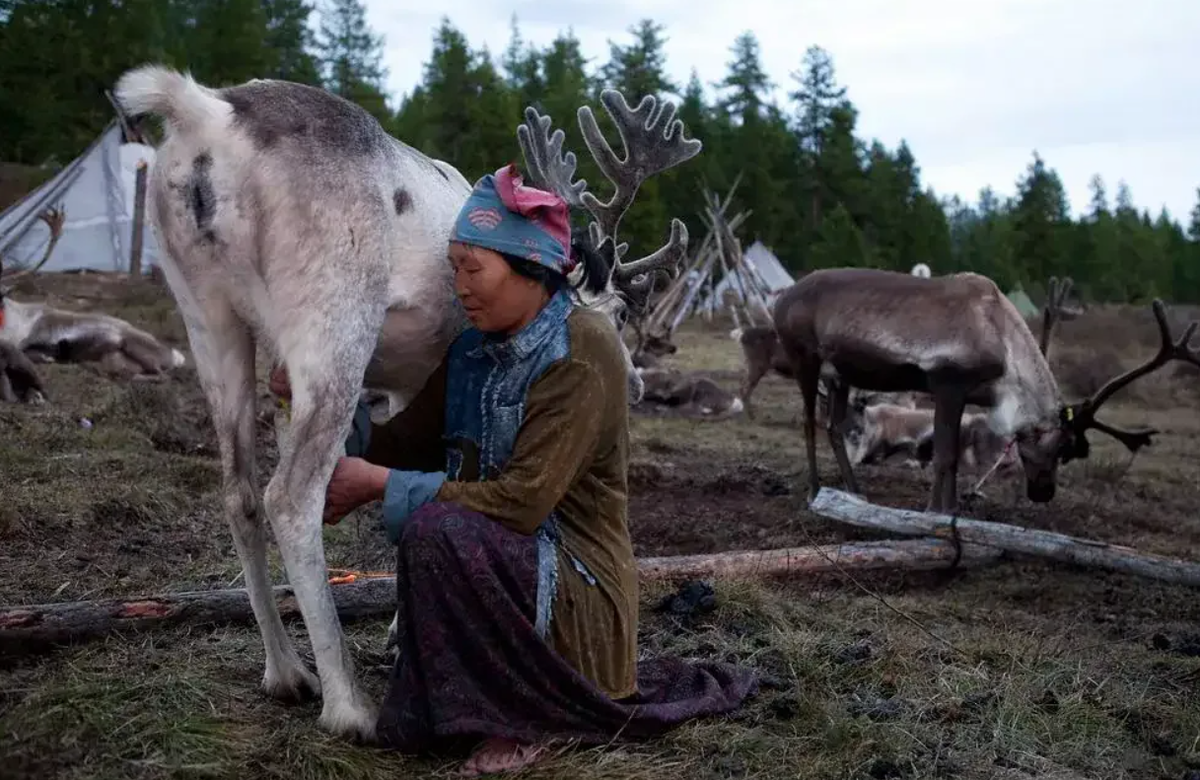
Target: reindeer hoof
(351,719)
(295,685)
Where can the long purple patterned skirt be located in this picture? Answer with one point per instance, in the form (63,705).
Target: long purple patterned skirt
(471,665)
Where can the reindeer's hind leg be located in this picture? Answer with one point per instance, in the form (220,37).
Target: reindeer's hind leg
(329,346)
(224,353)
(839,401)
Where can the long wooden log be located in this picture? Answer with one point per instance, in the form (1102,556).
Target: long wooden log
(27,629)
(847,508)
(908,554)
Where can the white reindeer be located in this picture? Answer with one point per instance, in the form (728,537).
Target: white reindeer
(289,217)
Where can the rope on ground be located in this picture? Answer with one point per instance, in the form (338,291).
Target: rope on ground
(887,604)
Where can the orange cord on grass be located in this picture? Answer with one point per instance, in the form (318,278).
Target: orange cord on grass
(346,576)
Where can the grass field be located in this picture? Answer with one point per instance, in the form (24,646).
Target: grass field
(1021,670)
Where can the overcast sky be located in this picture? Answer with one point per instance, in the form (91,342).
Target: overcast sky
(974,86)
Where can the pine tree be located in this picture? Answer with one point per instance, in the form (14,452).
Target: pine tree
(352,57)
(290,41)
(746,83)
(523,68)
(639,69)
(1040,218)
(817,96)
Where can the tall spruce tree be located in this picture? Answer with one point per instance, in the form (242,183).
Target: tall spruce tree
(351,56)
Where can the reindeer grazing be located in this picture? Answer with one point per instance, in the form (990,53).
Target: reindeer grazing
(958,338)
(762,354)
(290,218)
(876,431)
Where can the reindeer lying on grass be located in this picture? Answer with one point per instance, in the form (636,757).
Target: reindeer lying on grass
(696,396)
(877,432)
(960,339)
(290,218)
(49,335)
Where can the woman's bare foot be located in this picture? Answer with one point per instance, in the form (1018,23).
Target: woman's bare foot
(500,755)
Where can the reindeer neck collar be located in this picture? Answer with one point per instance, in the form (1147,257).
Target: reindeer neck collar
(1076,445)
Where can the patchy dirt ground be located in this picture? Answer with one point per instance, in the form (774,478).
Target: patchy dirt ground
(1025,669)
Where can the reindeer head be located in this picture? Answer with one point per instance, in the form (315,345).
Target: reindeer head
(653,141)
(1044,447)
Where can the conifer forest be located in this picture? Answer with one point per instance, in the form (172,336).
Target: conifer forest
(818,193)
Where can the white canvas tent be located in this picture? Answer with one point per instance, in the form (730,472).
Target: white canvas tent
(96,194)
(773,277)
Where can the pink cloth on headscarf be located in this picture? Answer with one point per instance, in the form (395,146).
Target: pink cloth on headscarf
(545,209)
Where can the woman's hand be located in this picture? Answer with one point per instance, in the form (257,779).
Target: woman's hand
(354,482)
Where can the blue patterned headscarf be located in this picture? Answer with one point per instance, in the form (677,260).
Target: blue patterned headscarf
(504,215)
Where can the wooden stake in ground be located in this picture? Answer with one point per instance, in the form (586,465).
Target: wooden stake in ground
(28,629)
(847,508)
(139,221)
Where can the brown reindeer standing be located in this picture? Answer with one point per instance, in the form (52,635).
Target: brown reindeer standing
(960,339)
(877,431)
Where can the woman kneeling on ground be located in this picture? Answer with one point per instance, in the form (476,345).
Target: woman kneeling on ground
(516,579)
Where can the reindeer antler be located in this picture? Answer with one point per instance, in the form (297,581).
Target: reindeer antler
(653,141)
(546,166)
(54,217)
(1082,416)
(1056,310)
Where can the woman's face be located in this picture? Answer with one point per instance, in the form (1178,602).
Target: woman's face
(496,298)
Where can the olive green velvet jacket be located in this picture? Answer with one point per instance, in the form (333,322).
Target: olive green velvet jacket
(570,454)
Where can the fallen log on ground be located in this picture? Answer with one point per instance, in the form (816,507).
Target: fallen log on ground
(27,629)
(847,508)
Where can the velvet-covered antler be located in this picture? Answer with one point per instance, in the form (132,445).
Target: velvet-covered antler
(653,140)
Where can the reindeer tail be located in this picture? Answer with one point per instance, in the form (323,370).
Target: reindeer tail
(736,334)
(174,96)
